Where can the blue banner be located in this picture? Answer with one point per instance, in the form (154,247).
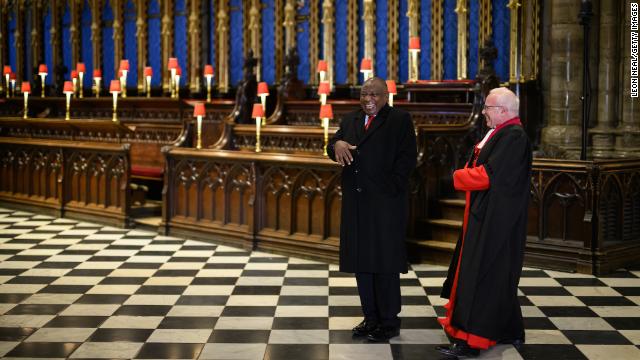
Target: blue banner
(180,38)
(86,47)
(340,71)
(107,45)
(303,45)
(28,70)
(66,42)
(48,54)
(382,27)
(450,42)
(425,40)
(403,37)
(236,56)
(501,20)
(131,43)
(268,43)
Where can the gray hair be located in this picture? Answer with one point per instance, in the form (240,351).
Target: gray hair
(508,99)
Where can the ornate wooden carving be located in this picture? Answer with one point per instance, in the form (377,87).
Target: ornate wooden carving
(18,10)
(88,181)
(96,33)
(255,200)
(74,31)
(166,33)
(117,7)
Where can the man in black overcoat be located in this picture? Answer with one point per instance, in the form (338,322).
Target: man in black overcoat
(377,148)
(482,283)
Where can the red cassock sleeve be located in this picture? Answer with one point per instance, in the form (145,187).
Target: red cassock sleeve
(471,179)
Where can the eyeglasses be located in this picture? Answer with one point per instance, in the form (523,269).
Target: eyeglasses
(487,107)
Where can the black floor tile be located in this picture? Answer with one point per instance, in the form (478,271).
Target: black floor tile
(107,258)
(28,258)
(567,311)
(269,260)
(174,273)
(606,301)
(550,352)
(343,290)
(302,323)
(116,335)
(231,253)
(13,298)
(89,272)
(308,267)
(132,265)
(345,311)
(37,309)
(340,274)
(15,333)
(143,310)
(102,299)
(624,323)
(628,290)
(415,300)
(11,272)
(198,247)
(218,300)
(433,290)
(296,351)
(188,259)
(76,322)
(65,289)
(266,273)
(160,290)
(177,322)
(595,337)
(544,291)
(224,266)
(57,265)
(215,281)
(256,290)
(239,336)
(249,311)
(119,280)
(534,274)
(619,274)
(303,300)
(431,273)
(410,282)
(41,349)
(306,281)
(169,351)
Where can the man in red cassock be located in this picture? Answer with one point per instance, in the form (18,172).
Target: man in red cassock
(482,282)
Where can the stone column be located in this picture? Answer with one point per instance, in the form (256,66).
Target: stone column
(628,134)
(602,135)
(563,131)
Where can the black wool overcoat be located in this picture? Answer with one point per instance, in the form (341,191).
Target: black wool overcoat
(375,191)
(486,301)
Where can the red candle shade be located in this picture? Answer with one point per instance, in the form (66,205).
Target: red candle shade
(124,64)
(114,87)
(97,74)
(42,69)
(365,65)
(148,71)
(391,87)
(81,68)
(68,87)
(263,88)
(322,65)
(414,43)
(173,63)
(26,87)
(208,70)
(324,88)
(326,111)
(74,74)
(6,70)
(258,111)
(178,71)
(12,76)
(198,109)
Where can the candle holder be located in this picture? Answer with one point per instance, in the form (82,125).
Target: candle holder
(115,88)
(263,92)
(26,89)
(97,77)
(68,91)
(199,112)
(124,66)
(323,91)
(414,49)
(74,81)
(391,88)
(258,113)
(173,65)
(148,73)
(366,69)
(326,113)
(6,71)
(42,71)
(81,68)
(208,74)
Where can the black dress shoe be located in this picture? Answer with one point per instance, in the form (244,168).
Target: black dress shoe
(458,350)
(364,328)
(383,333)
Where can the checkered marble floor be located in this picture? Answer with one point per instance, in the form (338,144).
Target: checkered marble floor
(71,289)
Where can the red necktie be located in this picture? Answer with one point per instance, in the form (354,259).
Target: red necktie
(369,120)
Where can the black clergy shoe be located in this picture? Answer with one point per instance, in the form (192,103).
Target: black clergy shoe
(458,350)
(383,333)
(364,328)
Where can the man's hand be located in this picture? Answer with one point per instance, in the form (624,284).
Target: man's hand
(343,155)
